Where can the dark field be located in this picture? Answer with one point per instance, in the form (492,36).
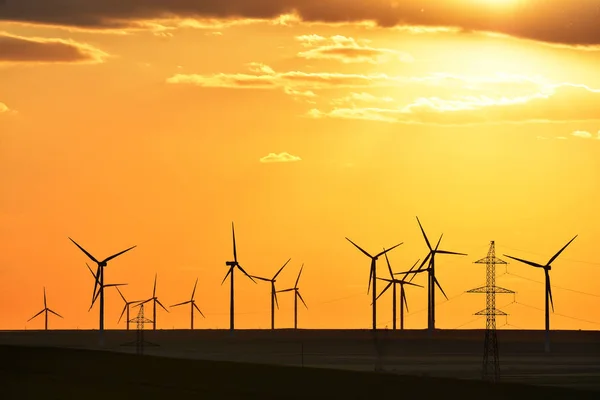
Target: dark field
(573,363)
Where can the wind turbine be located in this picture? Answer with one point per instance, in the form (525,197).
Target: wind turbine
(373,276)
(100,273)
(46,310)
(432,281)
(97,293)
(393,282)
(232,266)
(273,291)
(154,300)
(548,291)
(297,296)
(126,308)
(192,303)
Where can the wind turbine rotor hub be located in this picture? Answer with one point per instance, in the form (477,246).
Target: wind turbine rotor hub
(548,267)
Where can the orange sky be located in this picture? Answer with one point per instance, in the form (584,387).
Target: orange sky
(137,127)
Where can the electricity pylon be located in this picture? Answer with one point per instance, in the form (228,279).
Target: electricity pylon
(139,342)
(491,360)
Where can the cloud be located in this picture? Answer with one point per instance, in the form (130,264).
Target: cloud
(347,50)
(582,134)
(19,49)
(443,98)
(572,22)
(549,103)
(3,108)
(280,157)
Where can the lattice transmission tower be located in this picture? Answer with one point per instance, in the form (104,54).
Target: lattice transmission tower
(491,360)
(139,342)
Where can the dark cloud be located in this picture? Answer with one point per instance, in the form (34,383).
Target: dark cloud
(17,49)
(573,22)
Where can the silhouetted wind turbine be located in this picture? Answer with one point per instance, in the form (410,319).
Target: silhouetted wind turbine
(192,304)
(102,286)
(126,308)
(273,291)
(100,273)
(297,296)
(372,276)
(154,300)
(432,281)
(232,265)
(46,310)
(393,282)
(548,291)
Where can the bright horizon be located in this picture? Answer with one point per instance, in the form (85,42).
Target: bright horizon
(159,125)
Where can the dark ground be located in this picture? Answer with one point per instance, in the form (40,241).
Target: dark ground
(573,363)
(53,373)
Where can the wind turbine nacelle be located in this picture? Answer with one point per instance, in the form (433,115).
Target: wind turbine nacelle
(548,267)
(230,263)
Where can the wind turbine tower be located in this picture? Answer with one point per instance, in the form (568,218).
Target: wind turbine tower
(491,360)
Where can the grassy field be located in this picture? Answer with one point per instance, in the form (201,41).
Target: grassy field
(54,373)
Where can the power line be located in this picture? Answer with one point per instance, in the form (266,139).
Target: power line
(554,286)
(560,315)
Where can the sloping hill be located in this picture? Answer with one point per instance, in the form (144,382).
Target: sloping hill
(54,373)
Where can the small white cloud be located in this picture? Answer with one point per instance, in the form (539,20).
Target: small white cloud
(598,137)
(281,157)
(4,108)
(541,138)
(561,138)
(582,134)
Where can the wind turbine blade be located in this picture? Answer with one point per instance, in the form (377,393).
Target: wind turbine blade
(179,304)
(386,279)
(234,247)
(226,275)
(298,278)
(438,243)
(440,286)
(370,276)
(143,302)
(390,249)
(123,297)
(281,269)
(418,271)
(274,292)
(549,288)
(301,299)
(36,315)
(411,284)
(525,261)
(450,252)
(160,304)
(194,291)
(91,272)
(45,306)
(383,291)
(560,251)
(286,290)
(95,298)
(405,302)
(96,278)
(423,263)
(245,273)
(154,290)
(85,251)
(55,313)
(198,310)
(358,247)
(387,260)
(424,235)
(122,312)
(118,254)
(410,270)
(115,285)
(260,278)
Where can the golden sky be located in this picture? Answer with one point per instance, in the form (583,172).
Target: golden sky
(157,123)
